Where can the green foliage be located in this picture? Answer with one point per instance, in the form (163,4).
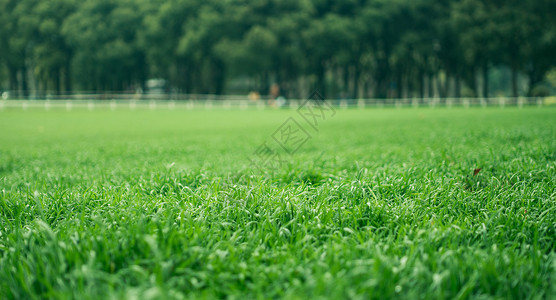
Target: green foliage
(379,48)
(108,56)
(379,204)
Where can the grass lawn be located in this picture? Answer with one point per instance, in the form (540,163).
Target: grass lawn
(378,203)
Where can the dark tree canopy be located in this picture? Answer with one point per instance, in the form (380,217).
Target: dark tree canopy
(355,48)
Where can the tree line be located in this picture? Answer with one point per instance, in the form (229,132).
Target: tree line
(353,48)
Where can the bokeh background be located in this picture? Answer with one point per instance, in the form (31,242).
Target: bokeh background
(345,48)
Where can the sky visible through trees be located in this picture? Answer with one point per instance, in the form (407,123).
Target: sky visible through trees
(345,48)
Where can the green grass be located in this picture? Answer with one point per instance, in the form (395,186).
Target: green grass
(378,204)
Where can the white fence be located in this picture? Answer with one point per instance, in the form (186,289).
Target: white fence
(243,103)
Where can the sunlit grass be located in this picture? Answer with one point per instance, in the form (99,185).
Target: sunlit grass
(378,204)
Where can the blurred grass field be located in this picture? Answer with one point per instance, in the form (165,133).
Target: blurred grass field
(379,203)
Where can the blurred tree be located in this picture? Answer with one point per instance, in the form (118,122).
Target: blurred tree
(52,55)
(265,44)
(253,55)
(477,27)
(197,46)
(446,43)
(385,21)
(107,53)
(512,32)
(18,32)
(383,48)
(289,60)
(540,40)
(324,40)
(163,26)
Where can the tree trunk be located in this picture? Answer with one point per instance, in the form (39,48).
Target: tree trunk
(187,81)
(345,89)
(440,87)
(399,83)
(24,85)
(446,89)
(473,82)
(44,89)
(13,80)
(514,81)
(457,89)
(382,78)
(485,80)
(421,83)
(57,84)
(218,77)
(68,84)
(321,73)
(430,87)
(356,75)
(67,78)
